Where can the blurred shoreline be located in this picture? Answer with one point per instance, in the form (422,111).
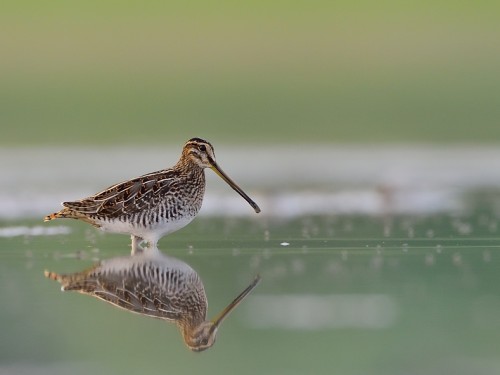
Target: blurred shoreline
(287,181)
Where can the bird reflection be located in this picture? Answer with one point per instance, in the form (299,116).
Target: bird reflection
(156,285)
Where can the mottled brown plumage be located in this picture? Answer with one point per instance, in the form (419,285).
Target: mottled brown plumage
(155,204)
(154,285)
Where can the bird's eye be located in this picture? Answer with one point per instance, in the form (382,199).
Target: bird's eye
(202,148)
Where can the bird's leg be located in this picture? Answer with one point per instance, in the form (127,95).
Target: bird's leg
(151,245)
(136,245)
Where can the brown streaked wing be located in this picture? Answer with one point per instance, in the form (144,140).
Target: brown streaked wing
(127,197)
(134,299)
(137,290)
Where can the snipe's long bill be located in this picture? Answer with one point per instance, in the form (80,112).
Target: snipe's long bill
(155,204)
(158,286)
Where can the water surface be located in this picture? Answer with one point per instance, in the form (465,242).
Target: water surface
(384,262)
(342,295)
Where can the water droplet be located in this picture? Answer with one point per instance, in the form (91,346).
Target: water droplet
(462,228)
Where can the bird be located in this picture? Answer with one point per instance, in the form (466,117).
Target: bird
(155,285)
(155,204)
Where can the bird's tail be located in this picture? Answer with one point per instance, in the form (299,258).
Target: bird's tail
(79,281)
(70,214)
(65,212)
(62,279)
(53,216)
(53,276)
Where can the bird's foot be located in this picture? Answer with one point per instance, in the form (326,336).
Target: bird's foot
(137,245)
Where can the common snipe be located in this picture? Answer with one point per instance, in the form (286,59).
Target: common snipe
(155,204)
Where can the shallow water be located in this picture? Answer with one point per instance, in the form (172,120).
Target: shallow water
(351,294)
(375,261)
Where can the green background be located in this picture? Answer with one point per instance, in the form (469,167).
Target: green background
(156,72)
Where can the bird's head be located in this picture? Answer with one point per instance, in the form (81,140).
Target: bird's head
(201,153)
(203,336)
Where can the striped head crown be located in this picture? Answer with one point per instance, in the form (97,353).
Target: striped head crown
(199,151)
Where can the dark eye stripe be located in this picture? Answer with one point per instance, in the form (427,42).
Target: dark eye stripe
(195,153)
